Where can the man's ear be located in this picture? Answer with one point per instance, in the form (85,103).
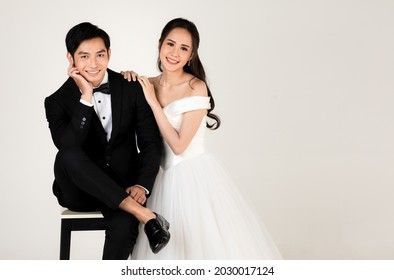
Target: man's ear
(70,58)
(109,53)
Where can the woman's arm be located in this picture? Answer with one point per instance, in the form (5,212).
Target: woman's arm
(177,140)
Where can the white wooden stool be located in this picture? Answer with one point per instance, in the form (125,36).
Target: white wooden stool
(77,221)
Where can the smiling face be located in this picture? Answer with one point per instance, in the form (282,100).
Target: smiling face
(91,59)
(176,49)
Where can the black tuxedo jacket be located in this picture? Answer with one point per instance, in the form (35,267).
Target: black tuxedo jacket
(134,149)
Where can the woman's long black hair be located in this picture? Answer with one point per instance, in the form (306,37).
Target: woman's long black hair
(195,66)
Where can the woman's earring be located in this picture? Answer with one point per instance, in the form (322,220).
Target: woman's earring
(188,63)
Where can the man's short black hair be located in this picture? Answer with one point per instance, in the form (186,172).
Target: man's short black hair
(84,31)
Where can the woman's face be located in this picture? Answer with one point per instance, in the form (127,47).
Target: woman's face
(176,49)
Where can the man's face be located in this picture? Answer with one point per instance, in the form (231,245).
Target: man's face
(91,59)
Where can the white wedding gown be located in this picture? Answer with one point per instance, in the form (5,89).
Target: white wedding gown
(208,217)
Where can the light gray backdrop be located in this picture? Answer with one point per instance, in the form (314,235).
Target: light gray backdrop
(304,89)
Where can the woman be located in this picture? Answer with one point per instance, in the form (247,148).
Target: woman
(208,216)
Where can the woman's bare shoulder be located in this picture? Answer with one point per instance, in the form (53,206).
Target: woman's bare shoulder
(199,88)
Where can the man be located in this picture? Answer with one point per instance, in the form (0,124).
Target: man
(109,144)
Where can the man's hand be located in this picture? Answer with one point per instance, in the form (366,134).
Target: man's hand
(137,193)
(85,87)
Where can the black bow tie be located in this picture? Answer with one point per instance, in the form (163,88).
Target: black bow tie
(104,88)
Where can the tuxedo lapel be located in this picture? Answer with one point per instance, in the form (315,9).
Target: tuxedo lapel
(116,103)
(99,127)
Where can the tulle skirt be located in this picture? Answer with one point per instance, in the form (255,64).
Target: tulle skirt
(209,218)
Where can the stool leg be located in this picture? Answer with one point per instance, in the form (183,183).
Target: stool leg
(65,239)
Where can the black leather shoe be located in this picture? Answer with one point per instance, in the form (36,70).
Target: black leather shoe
(157,232)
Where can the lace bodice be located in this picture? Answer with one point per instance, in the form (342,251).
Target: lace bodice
(174,112)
